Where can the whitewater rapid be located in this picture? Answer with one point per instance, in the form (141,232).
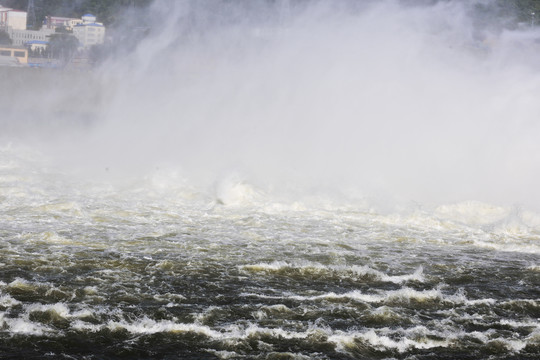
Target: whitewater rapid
(157,267)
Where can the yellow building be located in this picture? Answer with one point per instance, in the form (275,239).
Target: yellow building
(13,55)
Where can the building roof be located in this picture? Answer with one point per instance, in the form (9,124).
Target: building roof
(37,42)
(90,24)
(60,18)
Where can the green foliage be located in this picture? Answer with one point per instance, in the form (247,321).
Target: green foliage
(62,46)
(524,9)
(4,38)
(63,30)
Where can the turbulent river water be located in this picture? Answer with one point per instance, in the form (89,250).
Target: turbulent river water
(154,268)
(277,180)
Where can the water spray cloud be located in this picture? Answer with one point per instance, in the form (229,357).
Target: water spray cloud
(423,102)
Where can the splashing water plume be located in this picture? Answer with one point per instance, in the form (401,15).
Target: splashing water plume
(415,102)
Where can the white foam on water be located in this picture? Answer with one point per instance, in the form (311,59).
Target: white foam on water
(491,337)
(510,246)
(480,302)
(23,284)
(233,332)
(418,275)
(420,337)
(404,294)
(274,266)
(52,237)
(472,213)
(268,311)
(68,208)
(532,302)
(385,312)
(8,301)
(408,294)
(80,325)
(398,339)
(256,330)
(59,309)
(346,341)
(224,354)
(23,326)
(90,290)
(472,223)
(340,270)
(84,313)
(173,298)
(149,326)
(521,324)
(534,337)
(510,345)
(234,191)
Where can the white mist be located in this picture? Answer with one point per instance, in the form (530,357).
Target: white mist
(411,103)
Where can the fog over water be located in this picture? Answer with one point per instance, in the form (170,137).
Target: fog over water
(419,103)
(278,180)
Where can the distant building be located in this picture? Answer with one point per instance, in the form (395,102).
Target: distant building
(89,32)
(37,45)
(86,29)
(22,37)
(14,23)
(14,19)
(13,55)
(88,18)
(52,22)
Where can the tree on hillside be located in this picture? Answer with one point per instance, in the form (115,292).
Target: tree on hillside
(62,46)
(4,38)
(108,12)
(527,10)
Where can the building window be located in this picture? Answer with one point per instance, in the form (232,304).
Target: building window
(19,54)
(5,52)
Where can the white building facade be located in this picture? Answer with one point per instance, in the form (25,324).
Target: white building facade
(14,19)
(21,37)
(89,32)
